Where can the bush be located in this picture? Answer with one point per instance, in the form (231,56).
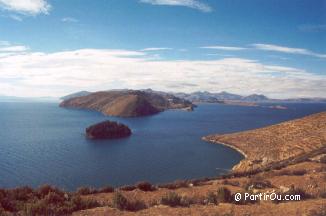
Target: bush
(300,172)
(22,194)
(54,198)
(233,183)
(224,195)
(322,159)
(145,186)
(258,183)
(171,199)
(85,191)
(212,198)
(122,203)
(119,201)
(44,190)
(128,188)
(107,189)
(177,184)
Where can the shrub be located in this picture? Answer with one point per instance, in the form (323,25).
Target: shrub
(233,183)
(322,159)
(177,184)
(22,194)
(299,172)
(322,193)
(136,205)
(321,211)
(85,191)
(44,190)
(54,198)
(122,203)
(212,198)
(258,183)
(128,188)
(107,189)
(224,195)
(171,199)
(145,186)
(119,201)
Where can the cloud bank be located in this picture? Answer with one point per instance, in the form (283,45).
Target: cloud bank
(195,4)
(55,74)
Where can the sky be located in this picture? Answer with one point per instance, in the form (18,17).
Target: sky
(56,47)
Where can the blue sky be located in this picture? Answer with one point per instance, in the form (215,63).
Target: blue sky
(275,47)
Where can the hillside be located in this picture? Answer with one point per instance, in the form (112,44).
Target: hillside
(277,142)
(127,103)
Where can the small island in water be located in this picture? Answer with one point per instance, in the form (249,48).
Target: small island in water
(107,130)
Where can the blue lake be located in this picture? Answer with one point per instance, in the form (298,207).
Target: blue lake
(42,143)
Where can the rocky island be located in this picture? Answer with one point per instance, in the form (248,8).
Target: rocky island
(107,130)
(127,103)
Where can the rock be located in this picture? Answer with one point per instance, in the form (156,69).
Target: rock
(107,130)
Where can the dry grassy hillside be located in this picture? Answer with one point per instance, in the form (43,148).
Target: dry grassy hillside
(277,142)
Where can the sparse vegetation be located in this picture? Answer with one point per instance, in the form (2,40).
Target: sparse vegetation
(173,199)
(145,186)
(122,203)
(46,200)
(127,188)
(224,195)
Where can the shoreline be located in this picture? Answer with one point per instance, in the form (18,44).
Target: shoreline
(230,146)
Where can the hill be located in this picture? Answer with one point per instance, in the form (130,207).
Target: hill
(127,103)
(277,142)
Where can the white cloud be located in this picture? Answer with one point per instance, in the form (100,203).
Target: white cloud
(56,74)
(13,49)
(69,19)
(283,49)
(156,49)
(195,4)
(32,7)
(226,48)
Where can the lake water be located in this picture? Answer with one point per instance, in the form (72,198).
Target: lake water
(42,143)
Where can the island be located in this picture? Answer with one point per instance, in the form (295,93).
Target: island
(127,103)
(107,130)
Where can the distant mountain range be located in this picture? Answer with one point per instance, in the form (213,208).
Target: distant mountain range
(222,97)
